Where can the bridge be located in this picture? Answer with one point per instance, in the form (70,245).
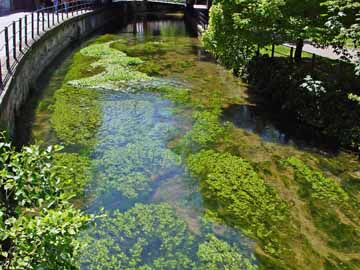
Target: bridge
(196,4)
(170,2)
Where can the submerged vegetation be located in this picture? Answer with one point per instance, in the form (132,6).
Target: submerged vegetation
(156,232)
(127,134)
(236,193)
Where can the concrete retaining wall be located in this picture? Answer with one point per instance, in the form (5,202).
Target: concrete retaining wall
(40,56)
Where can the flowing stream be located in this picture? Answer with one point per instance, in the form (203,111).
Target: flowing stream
(113,107)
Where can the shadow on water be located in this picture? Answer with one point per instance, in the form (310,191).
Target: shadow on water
(275,128)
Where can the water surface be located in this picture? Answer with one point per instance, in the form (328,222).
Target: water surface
(107,105)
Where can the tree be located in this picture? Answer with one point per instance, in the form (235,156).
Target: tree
(343,22)
(303,20)
(238,27)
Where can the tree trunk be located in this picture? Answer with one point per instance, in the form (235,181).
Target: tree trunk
(299,49)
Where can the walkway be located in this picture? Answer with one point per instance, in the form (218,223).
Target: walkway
(328,52)
(20,30)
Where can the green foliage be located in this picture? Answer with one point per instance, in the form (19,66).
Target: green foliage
(37,224)
(237,27)
(206,131)
(153,237)
(76,115)
(26,177)
(153,231)
(316,184)
(130,169)
(75,172)
(355,98)
(145,49)
(175,94)
(343,23)
(315,101)
(215,254)
(118,68)
(130,153)
(233,189)
(341,236)
(46,240)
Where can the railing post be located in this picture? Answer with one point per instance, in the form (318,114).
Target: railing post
(53,18)
(32,26)
(48,18)
(38,23)
(7,49)
(57,17)
(43,20)
(20,35)
(26,30)
(273,51)
(14,40)
(1,79)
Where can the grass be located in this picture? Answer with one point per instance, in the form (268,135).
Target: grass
(283,51)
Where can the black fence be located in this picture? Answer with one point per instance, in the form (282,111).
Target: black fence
(17,37)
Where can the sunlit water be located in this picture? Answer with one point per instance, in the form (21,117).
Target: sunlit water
(132,166)
(155,216)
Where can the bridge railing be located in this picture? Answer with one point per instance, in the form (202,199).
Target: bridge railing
(17,37)
(175,2)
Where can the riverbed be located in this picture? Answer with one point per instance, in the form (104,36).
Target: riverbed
(169,148)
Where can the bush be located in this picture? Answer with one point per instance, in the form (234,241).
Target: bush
(37,223)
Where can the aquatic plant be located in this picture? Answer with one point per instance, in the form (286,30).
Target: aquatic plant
(131,169)
(75,172)
(326,198)
(143,49)
(118,68)
(206,129)
(153,237)
(235,193)
(143,238)
(215,254)
(316,184)
(131,153)
(76,115)
(178,95)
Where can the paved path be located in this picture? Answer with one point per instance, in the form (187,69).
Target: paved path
(34,31)
(327,52)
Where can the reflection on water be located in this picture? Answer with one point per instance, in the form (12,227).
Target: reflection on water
(279,130)
(246,117)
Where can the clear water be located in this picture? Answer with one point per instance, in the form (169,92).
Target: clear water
(154,214)
(135,172)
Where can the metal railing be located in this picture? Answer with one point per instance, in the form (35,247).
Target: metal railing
(175,2)
(17,37)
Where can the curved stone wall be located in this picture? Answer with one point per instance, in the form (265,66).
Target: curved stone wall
(40,56)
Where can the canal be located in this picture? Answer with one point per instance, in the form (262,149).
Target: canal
(170,150)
